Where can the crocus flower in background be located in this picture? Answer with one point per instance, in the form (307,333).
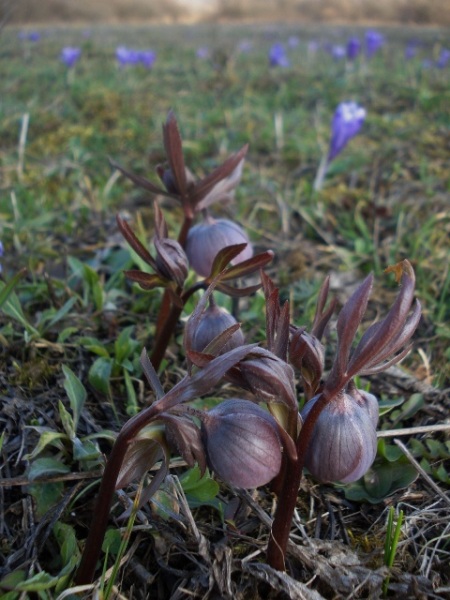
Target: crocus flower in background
(353,48)
(443,59)
(410,50)
(293,41)
(70,55)
(32,36)
(277,56)
(125,56)
(245,46)
(202,52)
(338,52)
(374,41)
(347,122)
(147,58)
(1,254)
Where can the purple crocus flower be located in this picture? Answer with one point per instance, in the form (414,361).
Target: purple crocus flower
(202,52)
(347,121)
(338,52)
(353,48)
(410,50)
(374,41)
(147,58)
(245,46)
(125,56)
(293,41)
(443,59)
(32,36)
(69,56)
(277,56)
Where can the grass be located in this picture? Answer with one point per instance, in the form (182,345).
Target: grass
(386,198)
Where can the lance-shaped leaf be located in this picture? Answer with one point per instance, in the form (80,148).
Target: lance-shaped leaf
(224,257)
(161,230)
(322,316)
(147,281)
(236,292)
(249,266)
(142,453)
(171,260)
(348,322)
(174,151)
(140,181)
(219,185)
(277,319)
(135,243)
(386,337)
(307,354)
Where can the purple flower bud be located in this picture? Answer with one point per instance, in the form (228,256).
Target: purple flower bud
(344,440)
(307,355)
(242,443)
(206,239)
(215,320)
(374,41)
(347,121)
(70,56)
(171,260)
(277,56)
(353,48)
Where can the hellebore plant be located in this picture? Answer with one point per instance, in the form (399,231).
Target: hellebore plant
(347,122)
(208,247)
(265,440)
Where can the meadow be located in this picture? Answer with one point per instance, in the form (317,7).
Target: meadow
(72,326)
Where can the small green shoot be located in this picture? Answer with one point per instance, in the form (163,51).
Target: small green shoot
(391,542)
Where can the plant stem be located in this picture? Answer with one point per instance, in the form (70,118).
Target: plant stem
(86,569)
(287,500)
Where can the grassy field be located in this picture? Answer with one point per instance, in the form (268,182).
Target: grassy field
(74,322)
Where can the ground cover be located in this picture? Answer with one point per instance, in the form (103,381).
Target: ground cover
(73,329)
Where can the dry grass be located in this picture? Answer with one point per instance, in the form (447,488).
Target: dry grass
(419,12)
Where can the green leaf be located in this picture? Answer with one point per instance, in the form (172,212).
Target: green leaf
(12,308)
(112,542)
(100,374)
(132,405)
(43,467)
(65,536)
(46,495)
(76,393)
(124,344)
(387,405)
(40,582)
(62,312)
(47,438)
(10,582)
(66,420)
(202,489)
(7,288)
(84,450)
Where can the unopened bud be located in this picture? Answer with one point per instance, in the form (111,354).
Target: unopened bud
(242,443)
(206,239)
(171,260)
(214,321)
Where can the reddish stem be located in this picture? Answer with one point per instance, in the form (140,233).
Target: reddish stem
(86,569)
(287,500)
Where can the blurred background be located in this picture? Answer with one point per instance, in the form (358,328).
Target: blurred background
(410,12)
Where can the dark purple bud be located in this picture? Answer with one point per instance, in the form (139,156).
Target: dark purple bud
(171,260)
(344,441)
(166,176)
(206,239)
(307,355)
(242,443)
(214,321)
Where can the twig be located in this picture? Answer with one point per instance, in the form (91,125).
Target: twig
(413,430)
(424,474)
